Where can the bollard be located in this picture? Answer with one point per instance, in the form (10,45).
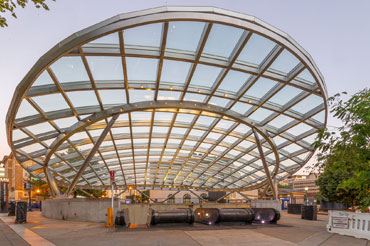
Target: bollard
(109,218)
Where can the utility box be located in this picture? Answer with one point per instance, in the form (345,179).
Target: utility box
(309,212)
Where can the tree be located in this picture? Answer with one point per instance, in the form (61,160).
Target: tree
(11,5)
(345,152)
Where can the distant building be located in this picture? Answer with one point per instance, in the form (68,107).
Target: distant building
(302,182)
(13,174)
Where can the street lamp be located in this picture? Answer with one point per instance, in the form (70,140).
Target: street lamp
(306,200)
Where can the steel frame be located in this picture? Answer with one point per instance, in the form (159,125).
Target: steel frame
(164,15)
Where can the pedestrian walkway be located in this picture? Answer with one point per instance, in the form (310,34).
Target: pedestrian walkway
(19,234)
(8,237)
(290,231)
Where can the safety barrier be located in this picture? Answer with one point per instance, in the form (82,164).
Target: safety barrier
(349,224)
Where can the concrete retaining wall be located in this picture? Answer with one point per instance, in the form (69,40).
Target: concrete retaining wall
(95,210)
(92,210)
(266,204)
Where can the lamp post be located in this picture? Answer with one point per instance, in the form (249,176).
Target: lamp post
(306,196)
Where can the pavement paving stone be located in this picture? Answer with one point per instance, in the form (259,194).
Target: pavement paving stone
(290,230)
(8,237)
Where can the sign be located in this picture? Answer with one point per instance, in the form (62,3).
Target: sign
(4,179)
(340,222)
(111,174)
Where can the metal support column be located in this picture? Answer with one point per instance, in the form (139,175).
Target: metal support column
(54,190)
(91,154)
(263,159)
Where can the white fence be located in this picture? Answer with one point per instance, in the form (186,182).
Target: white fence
(349,223)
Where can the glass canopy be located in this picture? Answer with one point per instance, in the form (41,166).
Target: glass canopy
(200,103)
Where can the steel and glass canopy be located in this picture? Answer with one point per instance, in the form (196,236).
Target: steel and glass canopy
(169,98)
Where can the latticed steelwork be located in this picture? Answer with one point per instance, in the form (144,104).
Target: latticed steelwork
(169,98)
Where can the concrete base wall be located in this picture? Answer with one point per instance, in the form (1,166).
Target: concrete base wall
(92,210)
(95,210)
(266,204)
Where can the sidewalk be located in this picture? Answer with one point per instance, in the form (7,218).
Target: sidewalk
(8,237)
(290,231)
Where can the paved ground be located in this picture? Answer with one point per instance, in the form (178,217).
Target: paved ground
(291,230)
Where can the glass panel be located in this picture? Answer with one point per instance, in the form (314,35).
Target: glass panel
(205,75)
(175,71)
(51,102)
(184,35)
(146,35)
(319,117)
(105,67)
(233,81)
(230,140)
(291,148)
(306,75)
(65,122)
(308,104)
(222,102)
(256,49)
(299,129)
(241,108)
(112,96)
(285,62)
(260,114)
(260,88)
(224,124)
(43,79)
(26,109)
(40,128)
(310,139)
(279,140)
(194,97)
(141,95)
(180,131)
(241,129)
(280,121)
(222,40)
(160,130)
(141,68)
(205,121)
(70,69)
(141,116)
(168,95)
(82,98)
(160,116)
(32,148)
(187,118)
(107,39)
(18,134)
(285,95)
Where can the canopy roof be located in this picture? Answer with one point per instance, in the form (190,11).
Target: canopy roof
(190,97)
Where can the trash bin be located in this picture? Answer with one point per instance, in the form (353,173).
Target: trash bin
(120,219)
(309,213)
(11,208)
(21,212)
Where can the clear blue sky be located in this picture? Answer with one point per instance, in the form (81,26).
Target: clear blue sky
(335,32)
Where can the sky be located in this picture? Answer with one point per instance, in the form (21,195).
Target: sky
(336,33)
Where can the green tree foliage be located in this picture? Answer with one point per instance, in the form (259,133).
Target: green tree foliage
(9,6)
(91,193)
(345,152)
